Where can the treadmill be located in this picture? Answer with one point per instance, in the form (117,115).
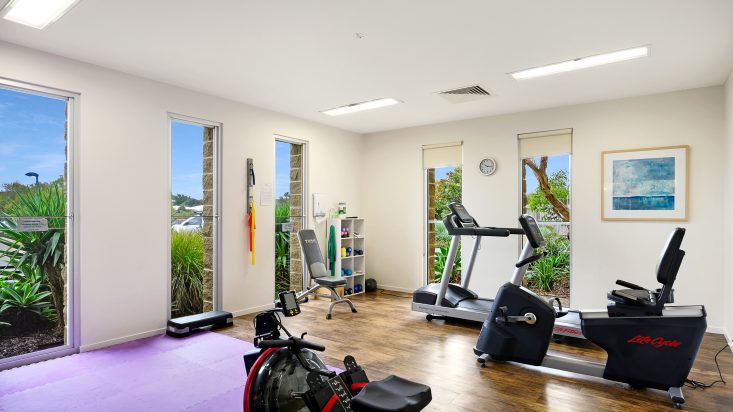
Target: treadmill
(449,300)
(458,301)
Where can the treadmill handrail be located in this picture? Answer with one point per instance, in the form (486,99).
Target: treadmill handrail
(484,231)
(490,231)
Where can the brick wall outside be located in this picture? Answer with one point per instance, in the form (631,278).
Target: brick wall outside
(296,215)
(208,215)
(431,226)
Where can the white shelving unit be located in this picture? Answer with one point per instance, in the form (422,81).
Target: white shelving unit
(355,240)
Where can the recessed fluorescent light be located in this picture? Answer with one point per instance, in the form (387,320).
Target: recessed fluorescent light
(358,107)
(37,13)
(582,63)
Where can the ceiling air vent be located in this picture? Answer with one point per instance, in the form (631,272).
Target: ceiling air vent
(464,94)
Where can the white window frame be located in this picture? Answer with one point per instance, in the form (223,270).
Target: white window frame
(217,138)
(306,194)
(424,263)
(73,314)
(520,239)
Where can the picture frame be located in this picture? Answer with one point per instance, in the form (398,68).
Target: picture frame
(645,184)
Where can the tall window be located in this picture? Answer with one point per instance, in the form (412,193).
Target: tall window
(443,185)
(194,216)
(289,213)
(36,268)
(545,160)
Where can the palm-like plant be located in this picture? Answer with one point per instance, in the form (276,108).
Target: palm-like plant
(441,258)
(39,249)
(26,296)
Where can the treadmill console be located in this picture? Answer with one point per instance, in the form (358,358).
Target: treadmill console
(461,213)
(289,304)
(532,231)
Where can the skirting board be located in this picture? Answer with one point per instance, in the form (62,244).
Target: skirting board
(116,341)
(255,309)
(142,335)
(729,340)
(395,288)
(715,329)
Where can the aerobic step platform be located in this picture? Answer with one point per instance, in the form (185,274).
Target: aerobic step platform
(184,326)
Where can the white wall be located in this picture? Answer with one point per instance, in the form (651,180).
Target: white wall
(124,177)
(728,193)
(602,251)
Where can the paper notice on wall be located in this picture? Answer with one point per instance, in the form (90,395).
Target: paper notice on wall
(287,226)
(32,224)
(267,196)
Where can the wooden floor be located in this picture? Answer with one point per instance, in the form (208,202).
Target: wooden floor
(387,338)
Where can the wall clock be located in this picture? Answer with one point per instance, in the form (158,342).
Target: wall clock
(487,166)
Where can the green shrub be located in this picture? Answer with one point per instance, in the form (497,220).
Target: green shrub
(187,272)
(441,258)
(43,250)
(442,237)
(26,296)
(282,246)
(282,262)
(546,272)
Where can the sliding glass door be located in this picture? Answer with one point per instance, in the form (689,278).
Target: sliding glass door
(36,231)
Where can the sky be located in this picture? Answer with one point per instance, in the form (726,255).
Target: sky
(554,163)
(31,137)
(442,172)
(282,168)
(187,159)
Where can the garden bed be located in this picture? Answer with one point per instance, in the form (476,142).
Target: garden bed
(19,345)
(28,332)
(560,290)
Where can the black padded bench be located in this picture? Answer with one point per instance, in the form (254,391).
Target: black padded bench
(184,326)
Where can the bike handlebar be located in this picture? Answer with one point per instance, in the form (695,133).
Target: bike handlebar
(292,342)
(530,259)
(629,285)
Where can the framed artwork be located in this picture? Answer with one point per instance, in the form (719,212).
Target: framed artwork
(645,184)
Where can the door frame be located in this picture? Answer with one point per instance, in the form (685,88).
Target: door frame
(217,138)
(73,313)
(305,192)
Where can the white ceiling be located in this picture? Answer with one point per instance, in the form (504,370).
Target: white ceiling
(299,57)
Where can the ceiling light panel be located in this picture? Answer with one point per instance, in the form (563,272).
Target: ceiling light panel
(358,107)
(37,13)
(582,63)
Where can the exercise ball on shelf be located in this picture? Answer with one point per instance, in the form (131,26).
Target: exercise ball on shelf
(370,285)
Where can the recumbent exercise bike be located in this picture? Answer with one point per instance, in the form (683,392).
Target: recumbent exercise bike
(649,343)
(286,375)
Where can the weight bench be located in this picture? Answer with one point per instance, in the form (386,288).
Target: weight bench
(319,275)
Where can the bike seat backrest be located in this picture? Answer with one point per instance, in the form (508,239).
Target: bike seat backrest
(669,264)
(312,253)
(671,258)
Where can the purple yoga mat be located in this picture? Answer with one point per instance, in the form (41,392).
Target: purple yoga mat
(203,372)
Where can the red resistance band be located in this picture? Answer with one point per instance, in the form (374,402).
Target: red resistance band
(358,385)
(334,398)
